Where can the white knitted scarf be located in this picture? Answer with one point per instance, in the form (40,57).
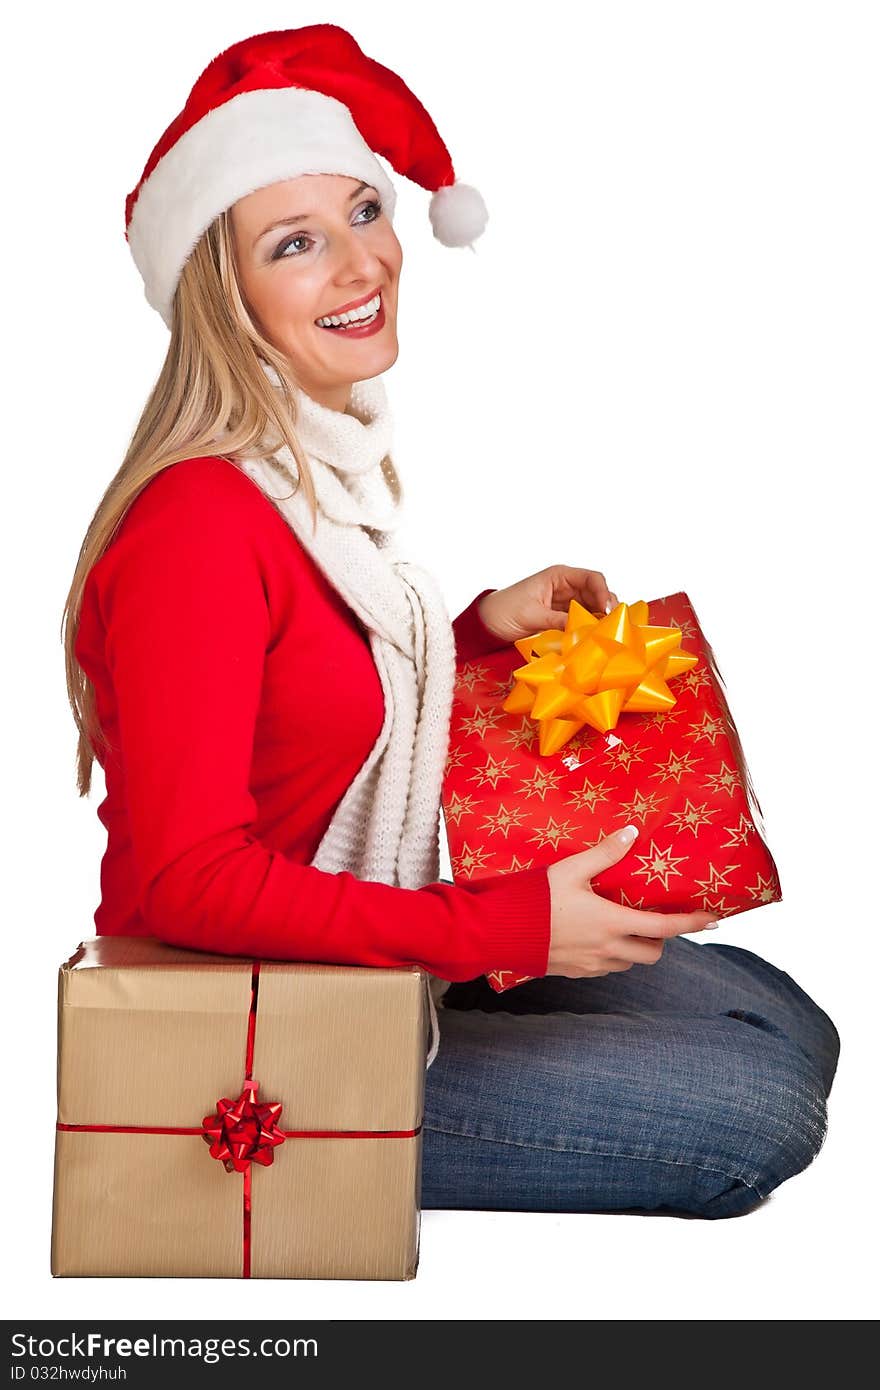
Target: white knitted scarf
(386,827)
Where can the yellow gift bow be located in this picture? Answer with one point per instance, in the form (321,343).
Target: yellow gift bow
(595,670)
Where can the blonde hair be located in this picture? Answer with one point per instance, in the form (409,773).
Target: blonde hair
(213,397)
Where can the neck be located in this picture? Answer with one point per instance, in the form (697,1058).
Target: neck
(333,397)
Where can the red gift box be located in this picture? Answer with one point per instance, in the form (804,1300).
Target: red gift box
(680,775)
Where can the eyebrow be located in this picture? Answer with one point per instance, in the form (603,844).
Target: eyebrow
(303,216)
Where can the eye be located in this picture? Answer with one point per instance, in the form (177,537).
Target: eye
(374,204)
(281,253)
(282,249)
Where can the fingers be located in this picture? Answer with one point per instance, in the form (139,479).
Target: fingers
(639,950)
(626,922)
(632,922)
(611,963)
(609,850)
(596,595)
(589,587)
(599,597)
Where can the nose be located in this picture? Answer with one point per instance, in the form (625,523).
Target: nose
(356,261)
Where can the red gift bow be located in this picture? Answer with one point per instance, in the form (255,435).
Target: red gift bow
(244,1130)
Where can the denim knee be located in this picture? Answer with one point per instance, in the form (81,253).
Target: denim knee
(830,1053)
(778,1123)
(806,1023)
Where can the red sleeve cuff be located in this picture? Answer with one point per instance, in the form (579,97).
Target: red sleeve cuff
(472,637)
(517,907)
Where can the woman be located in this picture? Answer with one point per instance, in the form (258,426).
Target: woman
(267,684)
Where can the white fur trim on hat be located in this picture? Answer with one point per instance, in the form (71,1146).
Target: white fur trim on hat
(252,140)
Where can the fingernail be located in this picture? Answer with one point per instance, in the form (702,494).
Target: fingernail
(628,833)
(710,926)
(608,606)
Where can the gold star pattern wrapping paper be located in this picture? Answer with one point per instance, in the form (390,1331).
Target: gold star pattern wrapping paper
(671,763)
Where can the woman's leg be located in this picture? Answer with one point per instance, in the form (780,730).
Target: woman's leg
(697,1084)
(690,977)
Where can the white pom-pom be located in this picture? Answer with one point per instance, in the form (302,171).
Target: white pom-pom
(458,214)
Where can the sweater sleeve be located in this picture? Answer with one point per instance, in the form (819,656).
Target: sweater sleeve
(187,622)
(472,637)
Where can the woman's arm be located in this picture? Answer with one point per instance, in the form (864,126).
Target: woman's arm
(187,624)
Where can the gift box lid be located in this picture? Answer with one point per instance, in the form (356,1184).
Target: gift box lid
(153,1035)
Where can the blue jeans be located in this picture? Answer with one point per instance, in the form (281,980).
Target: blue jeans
(695,1085)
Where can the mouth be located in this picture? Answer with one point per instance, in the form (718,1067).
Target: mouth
(358,320)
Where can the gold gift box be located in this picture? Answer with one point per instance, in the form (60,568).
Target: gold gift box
(150,1037)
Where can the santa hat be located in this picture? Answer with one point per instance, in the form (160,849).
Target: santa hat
(272,107)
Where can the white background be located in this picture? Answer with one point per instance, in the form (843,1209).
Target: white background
(662,363)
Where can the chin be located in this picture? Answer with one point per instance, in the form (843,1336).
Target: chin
(380,358)
(391,356)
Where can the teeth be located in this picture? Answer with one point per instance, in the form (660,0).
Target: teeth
(363,314)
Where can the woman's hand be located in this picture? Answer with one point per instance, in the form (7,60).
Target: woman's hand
(541,601)
(589,934)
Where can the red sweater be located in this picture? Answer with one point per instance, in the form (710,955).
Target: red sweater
(224,664)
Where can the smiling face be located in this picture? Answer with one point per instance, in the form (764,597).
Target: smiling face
(312,247)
